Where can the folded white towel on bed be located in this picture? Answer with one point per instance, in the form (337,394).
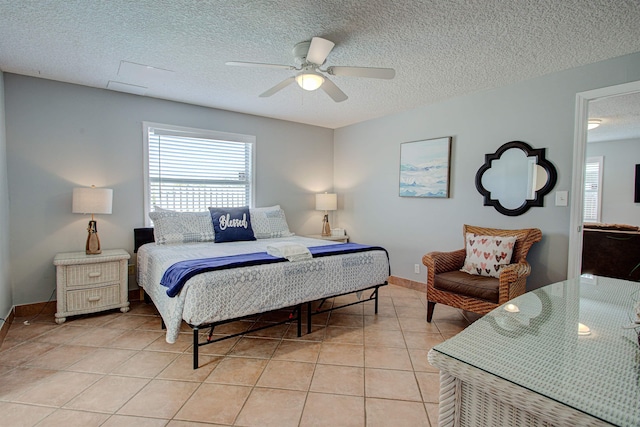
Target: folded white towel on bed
(290,251)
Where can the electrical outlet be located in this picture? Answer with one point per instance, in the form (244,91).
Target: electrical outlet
(132,269)
(416,268)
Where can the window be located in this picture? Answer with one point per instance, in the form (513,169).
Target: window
(593,189)
(188,170)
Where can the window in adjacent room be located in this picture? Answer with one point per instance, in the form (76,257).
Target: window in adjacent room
(593,189)
(189,170)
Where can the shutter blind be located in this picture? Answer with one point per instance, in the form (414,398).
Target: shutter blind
(592,189)
(189,173)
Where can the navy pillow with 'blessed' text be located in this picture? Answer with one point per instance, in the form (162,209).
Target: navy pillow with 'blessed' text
(231,224)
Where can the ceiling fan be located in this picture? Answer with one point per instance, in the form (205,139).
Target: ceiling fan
(310,56)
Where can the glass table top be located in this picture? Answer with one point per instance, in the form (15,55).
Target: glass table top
(566,341)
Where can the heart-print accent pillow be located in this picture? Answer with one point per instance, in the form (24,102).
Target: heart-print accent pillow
(487,255)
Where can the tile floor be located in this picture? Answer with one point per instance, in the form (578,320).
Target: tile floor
(114,369)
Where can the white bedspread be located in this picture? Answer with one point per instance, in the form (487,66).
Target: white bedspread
(226,294)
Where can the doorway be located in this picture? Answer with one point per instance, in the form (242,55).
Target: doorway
(579,159)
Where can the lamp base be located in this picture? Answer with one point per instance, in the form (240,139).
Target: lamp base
(93,241)
(326,228)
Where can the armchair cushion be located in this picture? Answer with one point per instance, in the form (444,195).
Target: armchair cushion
(487,255)
(470,285)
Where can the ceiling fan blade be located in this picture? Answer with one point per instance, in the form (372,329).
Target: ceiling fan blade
(333,91)
(319,49)
(374,73)
(259,64)
(286,82)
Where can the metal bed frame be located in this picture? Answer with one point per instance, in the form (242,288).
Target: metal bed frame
(295,315)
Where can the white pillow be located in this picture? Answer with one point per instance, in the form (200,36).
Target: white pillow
(487,255)
(157,208)
(182,227)
(269,222)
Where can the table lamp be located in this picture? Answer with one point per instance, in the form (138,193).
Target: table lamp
(326,202)
(92,200)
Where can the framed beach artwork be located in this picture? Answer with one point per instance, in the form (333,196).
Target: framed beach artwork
(424,168)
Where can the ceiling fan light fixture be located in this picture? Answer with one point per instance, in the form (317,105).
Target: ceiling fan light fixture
(310,56)
(593,123)
(309,80)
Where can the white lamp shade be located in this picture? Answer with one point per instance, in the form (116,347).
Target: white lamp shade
(309,80)
(91,200)
(326,202)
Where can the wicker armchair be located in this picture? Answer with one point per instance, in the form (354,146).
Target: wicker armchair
(479,294)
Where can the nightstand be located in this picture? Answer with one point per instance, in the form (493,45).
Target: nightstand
(91,283)
(343,239)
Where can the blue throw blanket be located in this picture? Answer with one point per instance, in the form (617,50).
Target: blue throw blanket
(177,275)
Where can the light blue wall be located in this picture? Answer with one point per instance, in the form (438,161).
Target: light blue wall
(5,282)
(61,136)
(619,166)
(540,112)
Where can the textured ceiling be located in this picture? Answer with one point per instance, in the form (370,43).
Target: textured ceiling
(619,115)
(439,48)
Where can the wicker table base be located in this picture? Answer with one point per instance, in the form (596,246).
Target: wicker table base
(472,397)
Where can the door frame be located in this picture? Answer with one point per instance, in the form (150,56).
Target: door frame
(574,266)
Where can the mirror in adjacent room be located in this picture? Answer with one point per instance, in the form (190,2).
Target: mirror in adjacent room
(515,178)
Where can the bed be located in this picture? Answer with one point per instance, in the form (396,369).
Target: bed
(236,290)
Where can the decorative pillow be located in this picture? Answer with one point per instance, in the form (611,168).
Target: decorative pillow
(157,208)
(231,224)
(269,222)
(181,227)
(487,255)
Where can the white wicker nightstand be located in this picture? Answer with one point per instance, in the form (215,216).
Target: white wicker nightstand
(90,283)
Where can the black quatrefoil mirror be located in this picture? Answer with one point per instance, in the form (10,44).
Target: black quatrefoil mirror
(515,178)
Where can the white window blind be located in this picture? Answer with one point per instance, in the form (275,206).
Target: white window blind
(189,170)
(593,189)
